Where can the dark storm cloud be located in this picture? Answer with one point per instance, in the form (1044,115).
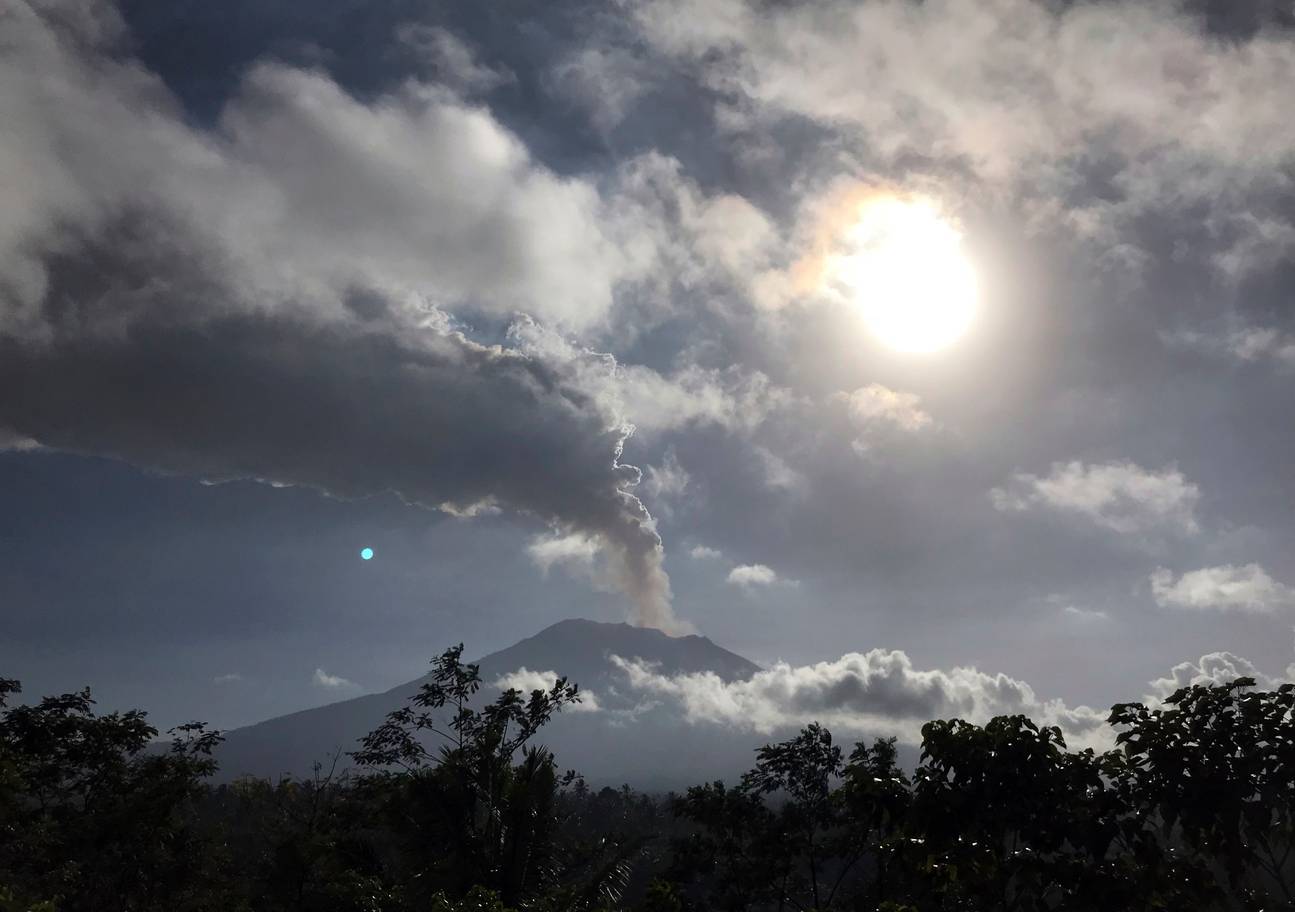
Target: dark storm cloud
(204,304)
(343,407)
(645,178)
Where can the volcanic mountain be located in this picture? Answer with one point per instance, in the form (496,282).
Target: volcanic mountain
(617,737)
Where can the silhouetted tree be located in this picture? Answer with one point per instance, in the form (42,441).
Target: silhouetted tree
(92,819)
(458,787)
(459,809)
(1216,769)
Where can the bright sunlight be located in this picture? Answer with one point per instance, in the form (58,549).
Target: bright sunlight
(902,261)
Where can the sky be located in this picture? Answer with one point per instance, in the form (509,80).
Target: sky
(943,343)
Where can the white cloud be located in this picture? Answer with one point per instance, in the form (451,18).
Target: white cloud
(389,218)
(878,692)
(327,681)
(304,192)
(664,482)
(1086,614)
(1214,668)
(875,403)
(1261,343)
(881,693)
(1023,95)
(1120,496)
(751,575)
(702,552)
(1249,344)
(778,473)
(525,680)
(1223,588)
(734,399)
(1246,343)
(875,409)
(604,82)
(9,440)
(574,550)
(1078,614)
(232,678)
(456,63)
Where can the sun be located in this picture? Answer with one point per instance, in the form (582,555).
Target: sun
(901,262)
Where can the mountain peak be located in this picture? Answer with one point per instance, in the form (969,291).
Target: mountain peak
(580,648)
(577,648)
(587,627)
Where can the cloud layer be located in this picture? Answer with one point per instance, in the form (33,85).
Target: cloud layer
(1224,588)
(879,692)
(526,681)
(1120,496)
(1039,99)
(259,302)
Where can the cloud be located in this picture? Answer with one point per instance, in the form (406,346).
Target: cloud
(881,693)
(576,549)
(778,473)
(604,82)
(232,678)
(702,552)
(875,409)
(268,300)
(1086,614)
(733,399)
(1026,96)
(432,417)
(327,681)
(527,681)
(1120,496)
(454,62)
(878,692)
(15,442)
(667,481)
(304,190)
(1245,344)
(874,403)
(1214,668)
(752,575)
(1224,588)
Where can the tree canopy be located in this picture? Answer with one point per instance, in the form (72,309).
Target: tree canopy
(454,806)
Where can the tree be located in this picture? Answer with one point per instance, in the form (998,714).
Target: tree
(1216,768)
(92,817)
(803,770)
(794,833)
(875,799)
(732,858)
(458,787)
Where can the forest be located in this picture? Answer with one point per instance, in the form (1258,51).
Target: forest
(454,804)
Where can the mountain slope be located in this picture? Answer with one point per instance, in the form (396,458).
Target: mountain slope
(625,740)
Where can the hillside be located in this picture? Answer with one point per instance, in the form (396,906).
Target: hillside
(626,740)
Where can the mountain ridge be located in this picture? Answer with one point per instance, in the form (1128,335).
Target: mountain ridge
(613,749)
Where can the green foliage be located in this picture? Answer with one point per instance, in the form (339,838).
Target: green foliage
(1193,811)
(478,899)
(458,810)
(491,812)
(661,896)
(1217,770)
(805,848)
(91,812)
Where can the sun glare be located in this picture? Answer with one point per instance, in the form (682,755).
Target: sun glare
(902,262)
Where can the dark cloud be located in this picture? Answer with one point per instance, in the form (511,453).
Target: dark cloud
(145,359)
(280,214)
